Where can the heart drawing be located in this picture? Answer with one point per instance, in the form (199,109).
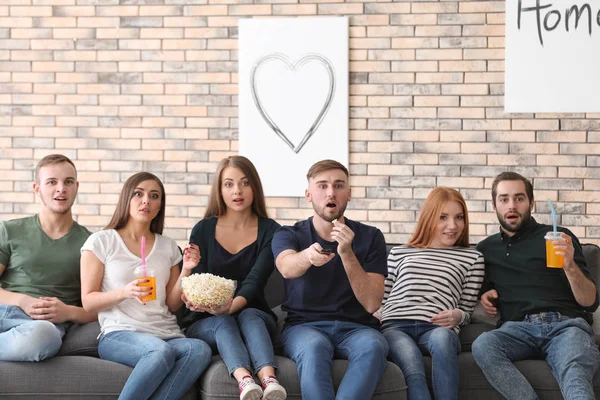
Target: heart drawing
(293,66)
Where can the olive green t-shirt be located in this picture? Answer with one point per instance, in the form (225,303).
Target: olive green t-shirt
(39,266)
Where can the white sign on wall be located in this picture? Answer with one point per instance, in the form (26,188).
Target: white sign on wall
(293,97)
(552,56)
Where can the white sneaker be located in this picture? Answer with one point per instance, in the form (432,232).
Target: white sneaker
(249,390)
(272,390)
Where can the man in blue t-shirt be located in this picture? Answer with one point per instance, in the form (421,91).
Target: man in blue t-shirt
(334,271)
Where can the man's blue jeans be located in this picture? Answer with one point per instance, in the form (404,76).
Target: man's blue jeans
(25,339)
(162,369)
(224,335)
(409,340)
(567,344)
(313,346)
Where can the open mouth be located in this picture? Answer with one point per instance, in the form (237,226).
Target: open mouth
(145,211)
(238,202)
(331,205)
(60,199)
(512,217)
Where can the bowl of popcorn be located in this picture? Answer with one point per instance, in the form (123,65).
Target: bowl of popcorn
(207,290)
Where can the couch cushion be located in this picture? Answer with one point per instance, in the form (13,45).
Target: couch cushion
(81,340)
(216,384)
(470,332)
(474,386)
(65,377)
(60,377)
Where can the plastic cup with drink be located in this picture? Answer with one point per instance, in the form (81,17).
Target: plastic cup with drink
(553,260)
(143,272)
(151,282)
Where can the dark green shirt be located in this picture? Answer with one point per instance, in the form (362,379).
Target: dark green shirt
(39,266)
(516,267)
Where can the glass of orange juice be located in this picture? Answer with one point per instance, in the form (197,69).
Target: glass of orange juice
(151,278)
(553,260)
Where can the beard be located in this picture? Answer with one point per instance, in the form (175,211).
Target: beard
(514,228)
(322,213)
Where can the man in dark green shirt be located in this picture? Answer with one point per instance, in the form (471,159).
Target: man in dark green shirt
(40,288)
(544,312)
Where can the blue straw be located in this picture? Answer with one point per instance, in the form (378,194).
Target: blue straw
(553,215)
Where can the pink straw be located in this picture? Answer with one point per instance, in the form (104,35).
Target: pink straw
(144,255)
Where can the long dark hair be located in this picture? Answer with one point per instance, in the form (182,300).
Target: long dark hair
(121,215)
(216,205)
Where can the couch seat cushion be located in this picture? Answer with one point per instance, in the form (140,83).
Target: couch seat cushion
(81,340)
(473,384)
(470,332)
(215,383)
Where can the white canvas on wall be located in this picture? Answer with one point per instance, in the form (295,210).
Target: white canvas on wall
(552,56)
(293,97)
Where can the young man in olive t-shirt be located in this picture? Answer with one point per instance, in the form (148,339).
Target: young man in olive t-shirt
(40,291)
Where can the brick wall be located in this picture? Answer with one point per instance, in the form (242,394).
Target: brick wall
(131,85)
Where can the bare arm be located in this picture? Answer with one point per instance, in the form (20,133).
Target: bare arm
(81,316)
(14,299)
(583,289)
(92,298)
(191,258)
(20,300)
(368,287)
(45,308)
(239,303)
(293,264)
(174,301)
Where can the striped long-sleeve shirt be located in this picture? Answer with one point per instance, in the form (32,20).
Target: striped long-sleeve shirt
(423,282)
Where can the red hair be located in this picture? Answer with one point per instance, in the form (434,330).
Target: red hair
(430,215)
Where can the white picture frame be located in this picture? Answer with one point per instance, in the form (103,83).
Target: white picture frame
(552,56)
(293,97)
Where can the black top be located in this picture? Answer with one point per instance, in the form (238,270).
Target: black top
(254,270)
(324,293)
(516,267)
(235,266)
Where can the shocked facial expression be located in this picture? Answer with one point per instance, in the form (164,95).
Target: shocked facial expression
(329,193)
(56,187)
(236,190)
(512,206)
(145,202)
(450,225)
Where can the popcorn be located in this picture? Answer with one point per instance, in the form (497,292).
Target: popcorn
(207,289)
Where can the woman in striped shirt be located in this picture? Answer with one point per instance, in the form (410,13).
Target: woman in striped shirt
(430,291)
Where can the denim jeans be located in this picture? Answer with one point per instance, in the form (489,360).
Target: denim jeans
(162,369)
(224,335)
(408,341)
(25,339)
(313,345)
(567,344)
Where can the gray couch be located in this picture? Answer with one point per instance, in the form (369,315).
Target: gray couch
(77,372)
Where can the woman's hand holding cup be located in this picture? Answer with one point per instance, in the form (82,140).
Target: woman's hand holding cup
(133,291)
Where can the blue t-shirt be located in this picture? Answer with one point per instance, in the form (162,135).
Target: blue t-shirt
(324,293)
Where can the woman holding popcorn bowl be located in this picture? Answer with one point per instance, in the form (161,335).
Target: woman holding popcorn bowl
(234,238)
